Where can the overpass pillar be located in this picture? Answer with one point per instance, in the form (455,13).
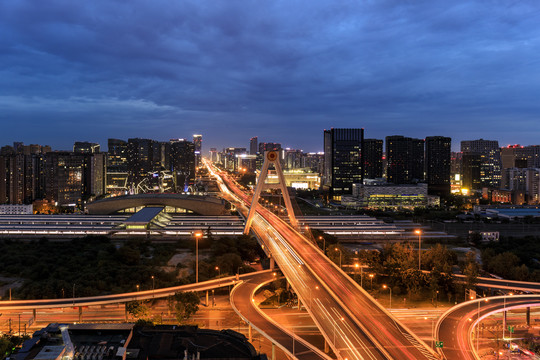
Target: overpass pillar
(34,313)
(125,312)
(528,316)
(80,313)
(273,351)
(250,333)
(206,298)
(272,263)
(326,347)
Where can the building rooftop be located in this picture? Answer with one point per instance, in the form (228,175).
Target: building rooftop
(145,215)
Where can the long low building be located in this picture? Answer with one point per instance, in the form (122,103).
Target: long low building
(155,223)
(117,226)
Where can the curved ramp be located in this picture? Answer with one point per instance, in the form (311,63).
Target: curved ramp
(242,302)
(455,326)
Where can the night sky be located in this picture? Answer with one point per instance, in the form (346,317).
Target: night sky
(280,70)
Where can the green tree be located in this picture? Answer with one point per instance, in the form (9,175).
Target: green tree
(138,309)
(184,305)
(471,270)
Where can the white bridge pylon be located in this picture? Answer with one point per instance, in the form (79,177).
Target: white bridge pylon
(270,157)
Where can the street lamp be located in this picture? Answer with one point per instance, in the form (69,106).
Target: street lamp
(197,235)
(324,244)
(504,314)
(419,233)
(478,324)
(371,277)
(219,275)
(432,329)
(137,287)
(153,285)
(389,288)
(336,249)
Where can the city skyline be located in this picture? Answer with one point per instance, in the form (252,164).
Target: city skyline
(236,70)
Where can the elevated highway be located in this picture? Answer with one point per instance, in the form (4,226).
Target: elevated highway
(351,321)
(124,297)
(243,304)
(455,327)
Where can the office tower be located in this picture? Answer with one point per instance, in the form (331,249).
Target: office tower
(85,147)
(269,147)
(253,145)
(197,142)
(314,161)
(490,154)
(182,162)
(438,163)
(470,170)
(21,174)
(373,158)
(292,159)
(343,163)
(228,157)
(117,155)
(405,159)
(213,155)
(74,178)
(140,159)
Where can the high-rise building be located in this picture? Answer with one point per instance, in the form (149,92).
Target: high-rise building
(470,171)
(197,142)
(343,163)
(490,154)
(269,147)
(405,159)
(183,163)
(21,174)
(117,155)
(253,145)
(373,158)
(213,155)
(140,159)
(438,163)
(85,147)
(73,178)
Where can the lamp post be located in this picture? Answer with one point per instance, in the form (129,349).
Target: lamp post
(219,275)
(137,287)
(324,244)
(504,314)
(197,235)
(432,330)
(478,323)
(371,277)
(153,285)
(419,233)
(337,249)
(389,288)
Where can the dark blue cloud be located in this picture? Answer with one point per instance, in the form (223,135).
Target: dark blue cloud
(282,70)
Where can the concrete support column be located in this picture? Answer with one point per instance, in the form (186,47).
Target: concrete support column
(326,347)
(299,304)
(125,312)
(528,315)
(80,313)
(250,333)
(273,351)
(272,263)
(34,313)
(207,298)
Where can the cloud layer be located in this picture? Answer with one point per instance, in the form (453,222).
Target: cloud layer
(281,70)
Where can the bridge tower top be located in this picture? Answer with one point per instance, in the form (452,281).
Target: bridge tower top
(270,158)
